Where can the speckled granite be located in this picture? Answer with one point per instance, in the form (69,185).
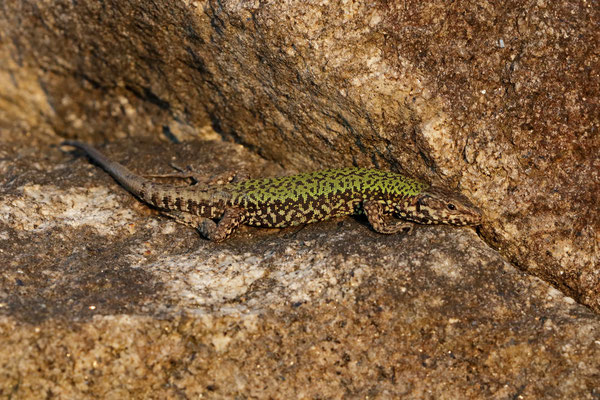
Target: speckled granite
(500,99)
(102,298)
(122,303)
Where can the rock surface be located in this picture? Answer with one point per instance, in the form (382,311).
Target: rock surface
(499,99)
(101,298)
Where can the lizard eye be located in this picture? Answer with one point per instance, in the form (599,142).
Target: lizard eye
(451,206)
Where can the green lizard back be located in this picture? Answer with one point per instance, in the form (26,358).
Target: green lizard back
(315,196)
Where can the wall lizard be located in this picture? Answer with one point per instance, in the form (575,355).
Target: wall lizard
(297,199)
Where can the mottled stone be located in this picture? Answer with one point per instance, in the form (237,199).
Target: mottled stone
(501,99)
(99,297)
(123,303)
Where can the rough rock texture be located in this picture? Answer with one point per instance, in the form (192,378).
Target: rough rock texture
(102,298)
(499,98)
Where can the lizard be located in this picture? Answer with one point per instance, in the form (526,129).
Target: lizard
(391,202)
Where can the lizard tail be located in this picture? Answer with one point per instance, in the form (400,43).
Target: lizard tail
(130,181)
(199,201)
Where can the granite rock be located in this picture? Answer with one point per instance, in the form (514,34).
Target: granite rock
(499,99)
(100,297)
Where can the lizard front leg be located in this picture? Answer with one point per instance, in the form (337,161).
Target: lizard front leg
(377,218)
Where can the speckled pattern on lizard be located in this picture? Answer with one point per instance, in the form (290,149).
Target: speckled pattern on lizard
(390,201)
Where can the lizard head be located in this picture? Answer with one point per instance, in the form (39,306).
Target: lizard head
(439,206)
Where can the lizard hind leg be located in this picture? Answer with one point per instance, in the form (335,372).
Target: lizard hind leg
(183,218)
(196,178)
(214,231)
(183,174)
(232,218)
(382,223)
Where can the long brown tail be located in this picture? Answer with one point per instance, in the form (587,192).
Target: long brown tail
(205,201)
(130,181)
